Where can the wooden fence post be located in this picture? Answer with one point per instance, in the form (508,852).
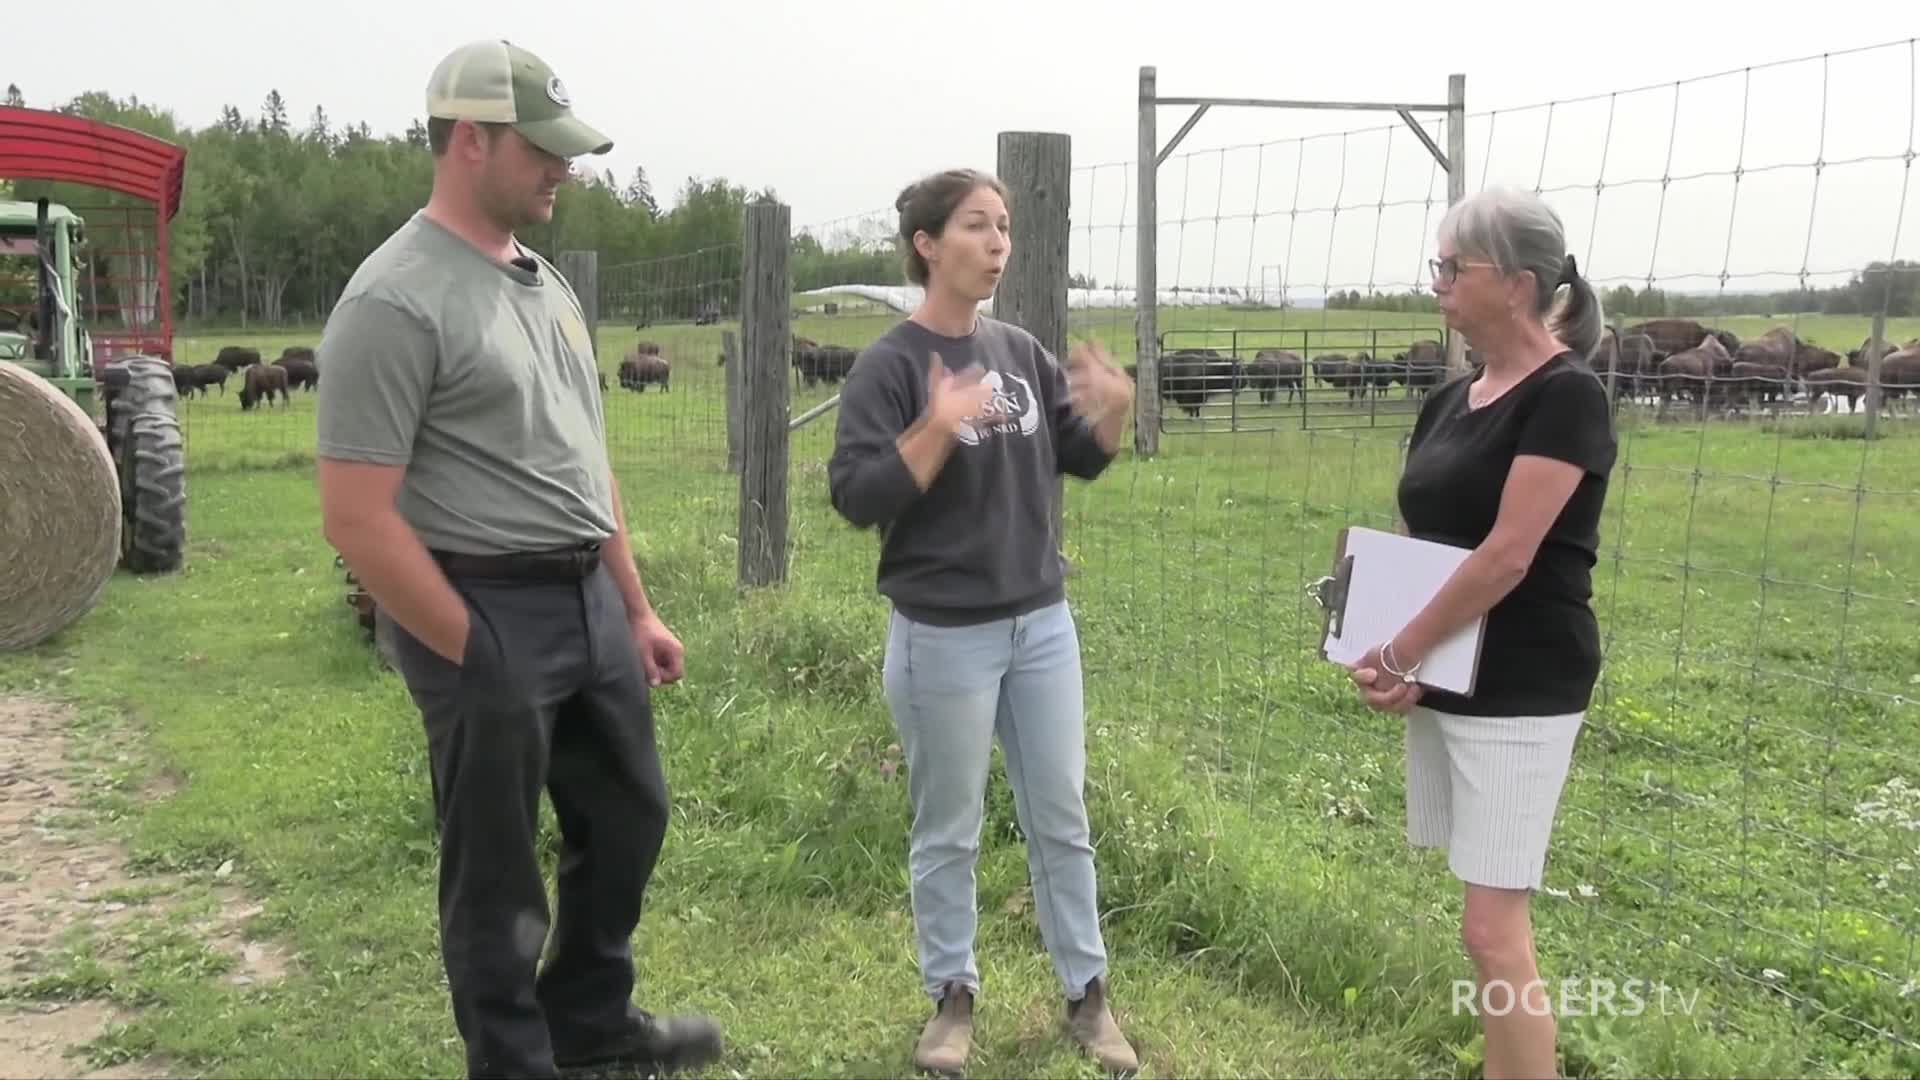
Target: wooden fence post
(1457,363)
(730,352)
(582,271)
(1877,348)
(1146,284)
(1613,370)
(766,295)
(1037,168)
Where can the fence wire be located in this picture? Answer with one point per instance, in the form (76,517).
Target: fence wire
(1743,815)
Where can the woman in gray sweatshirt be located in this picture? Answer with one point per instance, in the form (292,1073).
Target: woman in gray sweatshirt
(952,429)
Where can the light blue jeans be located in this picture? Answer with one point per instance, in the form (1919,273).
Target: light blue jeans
(951,691)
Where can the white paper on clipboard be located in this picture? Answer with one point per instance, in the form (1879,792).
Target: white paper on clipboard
(1380,581)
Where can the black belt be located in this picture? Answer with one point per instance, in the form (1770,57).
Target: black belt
(559,564)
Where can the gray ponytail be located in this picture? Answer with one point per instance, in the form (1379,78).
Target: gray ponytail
(1518,231)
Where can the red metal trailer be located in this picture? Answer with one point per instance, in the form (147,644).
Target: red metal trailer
(126,292)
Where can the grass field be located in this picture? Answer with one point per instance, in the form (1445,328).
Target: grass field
(1742,825)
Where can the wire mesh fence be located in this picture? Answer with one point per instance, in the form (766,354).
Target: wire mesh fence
(1743,818)
(665,328)
(1741,822)
(226,425)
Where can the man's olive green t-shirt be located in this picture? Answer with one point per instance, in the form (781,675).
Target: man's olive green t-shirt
(479,377)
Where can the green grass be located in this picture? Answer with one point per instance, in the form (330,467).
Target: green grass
(1264,914)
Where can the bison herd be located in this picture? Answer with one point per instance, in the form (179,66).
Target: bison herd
(296,368)
(645,365)
(816,363)
(1188,377)
(812,363)
(1657,361)
(1664,360)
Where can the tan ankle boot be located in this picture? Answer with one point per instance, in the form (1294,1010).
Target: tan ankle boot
(948,1035)
(1095,1029)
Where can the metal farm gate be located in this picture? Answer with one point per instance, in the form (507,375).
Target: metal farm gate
(1341,403)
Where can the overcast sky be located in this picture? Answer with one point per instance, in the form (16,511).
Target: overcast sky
(837,106)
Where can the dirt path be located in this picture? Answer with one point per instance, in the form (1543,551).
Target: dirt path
(64,891)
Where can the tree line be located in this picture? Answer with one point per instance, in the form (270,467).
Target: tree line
(1897,283)
(276,214)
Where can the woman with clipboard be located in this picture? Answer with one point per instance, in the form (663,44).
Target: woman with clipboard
(1510,461)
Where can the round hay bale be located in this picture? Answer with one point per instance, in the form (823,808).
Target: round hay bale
(59,510)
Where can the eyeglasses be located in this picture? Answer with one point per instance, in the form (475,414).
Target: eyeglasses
(1445,270)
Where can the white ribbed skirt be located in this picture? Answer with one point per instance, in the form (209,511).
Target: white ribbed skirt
(1485,790)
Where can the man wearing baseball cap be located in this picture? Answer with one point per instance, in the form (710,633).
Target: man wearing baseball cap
(464,479)
(498,82)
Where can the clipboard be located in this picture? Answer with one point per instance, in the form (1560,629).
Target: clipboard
(1380,581)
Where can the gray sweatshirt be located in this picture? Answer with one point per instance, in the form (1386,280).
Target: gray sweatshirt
(975,546)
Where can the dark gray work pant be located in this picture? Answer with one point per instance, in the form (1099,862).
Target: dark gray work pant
(549,694)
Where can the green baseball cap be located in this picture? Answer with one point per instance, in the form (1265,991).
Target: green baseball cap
(496,81)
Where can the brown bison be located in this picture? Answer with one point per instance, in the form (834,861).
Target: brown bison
(640,369)
(1273,370)
(1630,360)
(1900,373)
(1776,347)
(1377,376)
(301,373)
(1769,383)
(1188,376)
(1638,364)
(1860,356)
(1692,372)
(1606,352)
(1781,347)
(1768,366)
(235,357)
(1672,336)
(1422,367)
(1337,371)
(1838,382)
(824,363)
(262,382)
(192,379)
(205,375)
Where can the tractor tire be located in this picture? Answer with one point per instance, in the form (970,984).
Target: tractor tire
(143,431)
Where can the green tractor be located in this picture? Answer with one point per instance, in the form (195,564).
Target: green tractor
(86,306)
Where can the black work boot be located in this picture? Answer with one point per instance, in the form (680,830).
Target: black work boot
(648,1043)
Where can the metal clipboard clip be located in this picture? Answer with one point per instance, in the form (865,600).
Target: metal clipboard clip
(1330,593)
